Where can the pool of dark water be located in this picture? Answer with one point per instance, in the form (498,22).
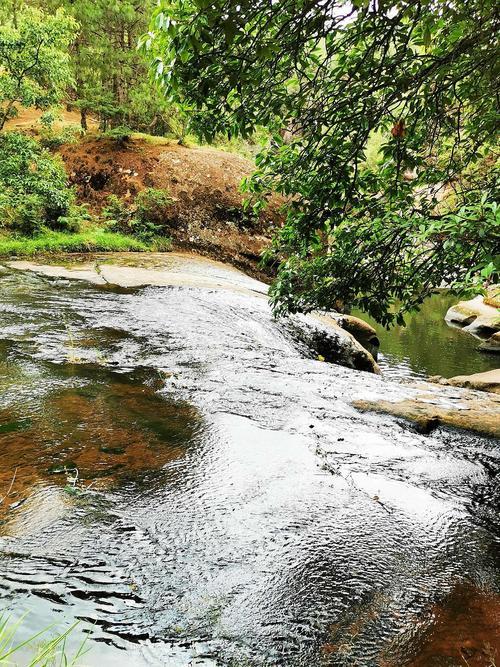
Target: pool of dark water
(427,345)
(196,492)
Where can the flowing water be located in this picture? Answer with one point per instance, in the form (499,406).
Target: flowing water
(185,481)
(427,345)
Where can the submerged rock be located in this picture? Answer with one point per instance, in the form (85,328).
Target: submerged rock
(82,271)
(463,629)
(488,381)
(320,334)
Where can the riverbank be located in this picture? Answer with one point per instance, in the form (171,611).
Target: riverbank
(52,243)
(202,209)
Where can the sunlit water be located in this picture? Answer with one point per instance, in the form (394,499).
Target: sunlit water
(427,345)
(231,506)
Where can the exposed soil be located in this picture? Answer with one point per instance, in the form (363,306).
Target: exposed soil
(206,214)
(28,120)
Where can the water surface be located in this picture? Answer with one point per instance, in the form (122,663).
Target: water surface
(199,493)
(427,345)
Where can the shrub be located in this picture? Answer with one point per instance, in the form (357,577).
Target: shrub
(77,218)
(117,214)
(120,134)
(33,184)
(51,139)
(145,219)
(153,209)
(24,215)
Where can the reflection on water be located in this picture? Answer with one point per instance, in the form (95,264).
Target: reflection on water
(428,346)
(199,494)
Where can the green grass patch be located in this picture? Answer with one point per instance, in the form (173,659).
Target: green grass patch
(91,240)
(42,649)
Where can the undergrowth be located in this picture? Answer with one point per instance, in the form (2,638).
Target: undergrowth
(40,649)
(91,240)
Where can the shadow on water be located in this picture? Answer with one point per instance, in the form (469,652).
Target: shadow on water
(199,494)
(427,345)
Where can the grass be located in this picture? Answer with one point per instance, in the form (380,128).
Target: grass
(91,240)
(37,650)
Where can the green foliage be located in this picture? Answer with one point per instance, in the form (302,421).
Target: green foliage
(43,652)
(34,59)
(116,213)
(391,119)
(78,218)
(52,139)
(120,134)
(146,218)
(152,210)
(33,184)
(110,79)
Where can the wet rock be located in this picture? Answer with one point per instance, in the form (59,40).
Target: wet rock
(492,344)
(487,381)
(476,316)
(363,332)
(322,335)
(432,409)
(162,270)
(84,271)
(492,297)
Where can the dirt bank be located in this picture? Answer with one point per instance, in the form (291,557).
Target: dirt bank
(206,213)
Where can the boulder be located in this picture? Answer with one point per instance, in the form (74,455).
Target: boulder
(487,381)
(492,297)
(363,332)
(323,337)
(476,316)
(492,344)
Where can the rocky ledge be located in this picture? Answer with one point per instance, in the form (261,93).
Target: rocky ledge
(317,335)
(488,381)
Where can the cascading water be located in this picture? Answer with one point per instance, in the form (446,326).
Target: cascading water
(199,493)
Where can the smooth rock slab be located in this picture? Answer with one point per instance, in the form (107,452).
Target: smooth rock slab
(487,381)
(431,409)
(78,272)
(320,333)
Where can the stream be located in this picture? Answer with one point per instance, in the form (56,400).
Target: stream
(195,490)
(427,345)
